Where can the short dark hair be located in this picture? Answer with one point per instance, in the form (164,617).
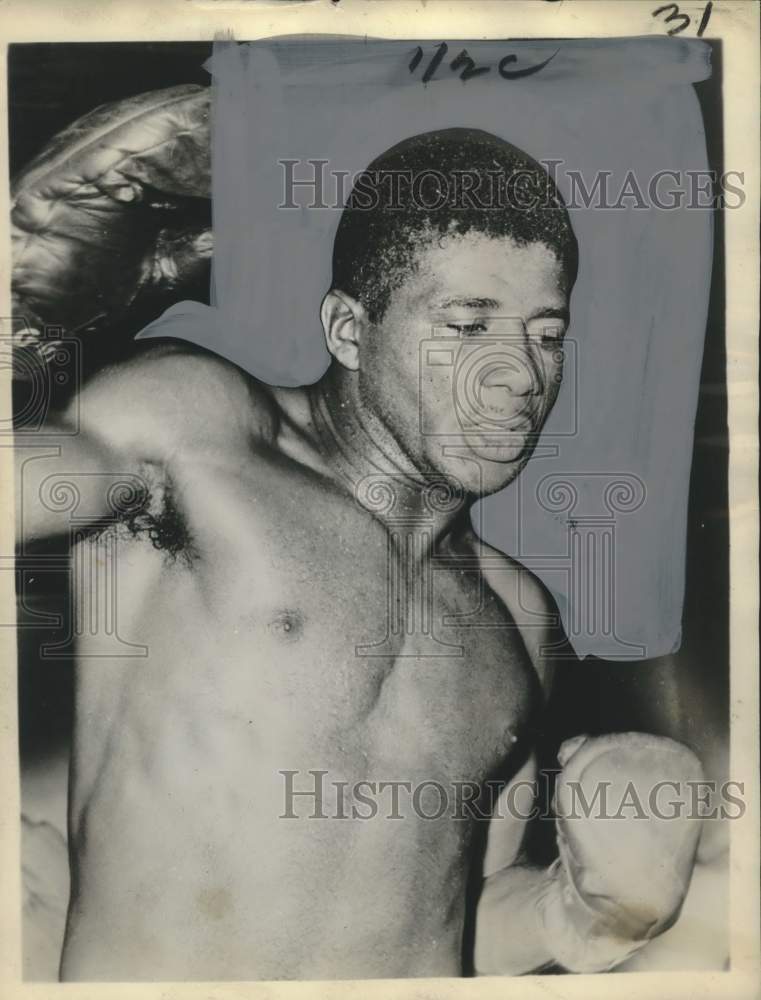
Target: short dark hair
(449,182)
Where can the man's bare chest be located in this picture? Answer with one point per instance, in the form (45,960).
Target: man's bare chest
(339,630)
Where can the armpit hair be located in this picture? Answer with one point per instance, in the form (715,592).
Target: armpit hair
(158,518)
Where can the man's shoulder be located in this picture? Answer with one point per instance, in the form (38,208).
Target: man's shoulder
(528,600)
(521,589)
(175,394)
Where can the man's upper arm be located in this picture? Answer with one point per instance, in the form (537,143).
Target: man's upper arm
(152,409)
(533,609)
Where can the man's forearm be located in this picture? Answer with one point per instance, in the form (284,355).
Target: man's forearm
(509,936)
(529,918)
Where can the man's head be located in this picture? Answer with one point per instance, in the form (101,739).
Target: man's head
(452,267)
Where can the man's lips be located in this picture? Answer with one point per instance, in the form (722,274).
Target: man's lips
(496,424)
(501,445)
(497,427)
(497,450)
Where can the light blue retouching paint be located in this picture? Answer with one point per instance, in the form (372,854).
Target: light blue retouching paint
(626,410)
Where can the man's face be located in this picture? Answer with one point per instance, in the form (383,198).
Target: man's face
(466,364)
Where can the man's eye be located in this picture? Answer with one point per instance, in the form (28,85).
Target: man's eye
(551,342)
(467,329)
(550,337)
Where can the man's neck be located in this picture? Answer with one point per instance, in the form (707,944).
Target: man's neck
(362,455)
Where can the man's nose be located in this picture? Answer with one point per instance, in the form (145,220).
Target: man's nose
(517,373)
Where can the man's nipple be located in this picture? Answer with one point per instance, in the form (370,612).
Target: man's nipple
(287,625)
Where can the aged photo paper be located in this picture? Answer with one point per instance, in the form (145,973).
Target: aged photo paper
(379,506)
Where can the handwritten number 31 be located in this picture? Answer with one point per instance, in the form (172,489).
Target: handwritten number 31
(674,14)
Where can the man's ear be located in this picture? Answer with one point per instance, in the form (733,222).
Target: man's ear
(343,320)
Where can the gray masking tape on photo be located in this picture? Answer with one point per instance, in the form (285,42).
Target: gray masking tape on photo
(626,411)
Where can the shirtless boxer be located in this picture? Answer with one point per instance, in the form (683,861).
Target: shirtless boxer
(254,564)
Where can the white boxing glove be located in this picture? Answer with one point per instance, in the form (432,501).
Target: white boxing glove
(624,867)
